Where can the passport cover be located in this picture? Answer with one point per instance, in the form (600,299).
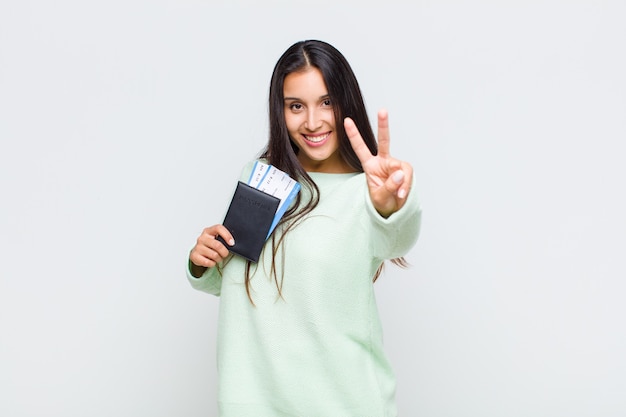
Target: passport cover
(249,217)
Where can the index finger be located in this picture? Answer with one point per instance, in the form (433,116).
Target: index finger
(356,140)
(221,233)
(383,133)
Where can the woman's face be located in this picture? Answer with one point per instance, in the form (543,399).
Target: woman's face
(311,122)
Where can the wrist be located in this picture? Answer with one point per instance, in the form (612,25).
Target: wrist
(196,270)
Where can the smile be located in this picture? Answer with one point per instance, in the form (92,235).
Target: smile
(317,138)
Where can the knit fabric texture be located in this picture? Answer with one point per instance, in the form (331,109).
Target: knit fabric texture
(317,351)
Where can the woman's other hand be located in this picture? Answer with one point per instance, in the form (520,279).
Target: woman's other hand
(388,179)
(209,251)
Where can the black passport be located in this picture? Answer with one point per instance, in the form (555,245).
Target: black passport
(249,218)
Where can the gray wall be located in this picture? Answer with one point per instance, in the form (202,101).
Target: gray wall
(124,125)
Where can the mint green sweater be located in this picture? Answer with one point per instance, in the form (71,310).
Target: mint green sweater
(318,351)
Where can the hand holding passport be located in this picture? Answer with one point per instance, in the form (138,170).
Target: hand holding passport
(257,207)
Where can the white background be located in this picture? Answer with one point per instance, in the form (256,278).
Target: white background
(124,125)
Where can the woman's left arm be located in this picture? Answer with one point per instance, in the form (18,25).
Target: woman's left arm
(393,207)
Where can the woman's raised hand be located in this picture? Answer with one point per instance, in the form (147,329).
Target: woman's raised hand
(209,251)
(388,179)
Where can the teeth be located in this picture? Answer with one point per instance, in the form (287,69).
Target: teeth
(316,139)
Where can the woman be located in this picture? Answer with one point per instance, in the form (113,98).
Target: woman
(299,332)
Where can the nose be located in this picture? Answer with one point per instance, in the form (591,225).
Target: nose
(313,120)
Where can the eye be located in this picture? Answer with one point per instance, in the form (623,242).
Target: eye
(326,103)
(295,107)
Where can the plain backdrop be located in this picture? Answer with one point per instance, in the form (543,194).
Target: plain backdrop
(124,125)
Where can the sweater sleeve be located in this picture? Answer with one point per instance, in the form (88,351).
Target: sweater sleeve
(210,281)
(394,236)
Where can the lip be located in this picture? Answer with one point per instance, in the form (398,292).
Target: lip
(316,143)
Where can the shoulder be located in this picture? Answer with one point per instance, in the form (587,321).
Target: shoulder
(247,169)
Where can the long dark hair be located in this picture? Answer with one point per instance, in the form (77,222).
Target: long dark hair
(347,101)
(345,95)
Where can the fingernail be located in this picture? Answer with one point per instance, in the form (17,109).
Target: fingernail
(231,242)
(398,176)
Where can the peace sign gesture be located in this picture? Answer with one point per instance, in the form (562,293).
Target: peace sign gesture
(388,179)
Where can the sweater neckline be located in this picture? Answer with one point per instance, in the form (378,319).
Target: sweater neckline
(328,178)
(333,174)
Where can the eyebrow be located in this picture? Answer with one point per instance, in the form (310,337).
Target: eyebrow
(324,97)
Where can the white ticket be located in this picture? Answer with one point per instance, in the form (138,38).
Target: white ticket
(273,181)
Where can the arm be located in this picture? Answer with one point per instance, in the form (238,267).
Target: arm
(392,205)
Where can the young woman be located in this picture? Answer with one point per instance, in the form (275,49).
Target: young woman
(299,333)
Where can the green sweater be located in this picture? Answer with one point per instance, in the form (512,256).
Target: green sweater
(318,351)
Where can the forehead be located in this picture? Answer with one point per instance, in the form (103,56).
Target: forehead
(307,83)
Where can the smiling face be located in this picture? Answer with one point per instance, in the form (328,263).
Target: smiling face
(310,121)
